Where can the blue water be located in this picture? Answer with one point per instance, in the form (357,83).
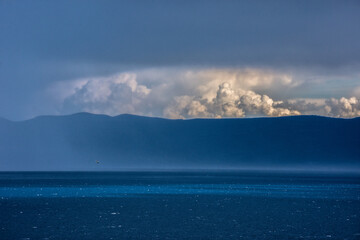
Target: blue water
(179,205)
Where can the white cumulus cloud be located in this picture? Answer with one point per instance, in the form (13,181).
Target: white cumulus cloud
(343,107)
(194,93)
(228,102)
(110,95)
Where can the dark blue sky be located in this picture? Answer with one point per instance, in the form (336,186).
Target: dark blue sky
(53,54)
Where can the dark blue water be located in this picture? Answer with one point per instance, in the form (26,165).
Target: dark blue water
(179,205)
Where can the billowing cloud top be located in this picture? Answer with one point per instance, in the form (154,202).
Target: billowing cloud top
(197,93)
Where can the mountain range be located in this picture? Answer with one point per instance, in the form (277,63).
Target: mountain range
(85,141)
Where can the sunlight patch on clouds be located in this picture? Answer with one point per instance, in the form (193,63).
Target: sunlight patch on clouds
(228,102)
(195,93)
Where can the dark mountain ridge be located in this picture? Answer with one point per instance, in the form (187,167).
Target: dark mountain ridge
(78,141)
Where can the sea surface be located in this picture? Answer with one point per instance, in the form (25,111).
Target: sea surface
(179,205)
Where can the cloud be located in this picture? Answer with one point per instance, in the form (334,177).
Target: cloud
(194,93)
(110,95)
(356,92)
(228,102)
(343,107)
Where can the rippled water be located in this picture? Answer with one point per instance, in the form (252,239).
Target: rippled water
(330,191)
(174,205)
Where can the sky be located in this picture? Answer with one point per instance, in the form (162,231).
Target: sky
(180,59)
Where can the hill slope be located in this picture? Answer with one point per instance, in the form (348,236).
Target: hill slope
(76,142)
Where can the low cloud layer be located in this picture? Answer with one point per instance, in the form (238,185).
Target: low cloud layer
(202,93)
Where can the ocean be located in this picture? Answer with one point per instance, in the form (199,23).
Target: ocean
(179,205)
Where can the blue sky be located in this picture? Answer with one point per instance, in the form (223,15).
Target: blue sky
(180,59)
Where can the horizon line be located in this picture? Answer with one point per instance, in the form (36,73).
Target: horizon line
(164,118)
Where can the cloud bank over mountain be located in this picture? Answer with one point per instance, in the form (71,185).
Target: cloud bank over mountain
(262,57)
(197,93)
